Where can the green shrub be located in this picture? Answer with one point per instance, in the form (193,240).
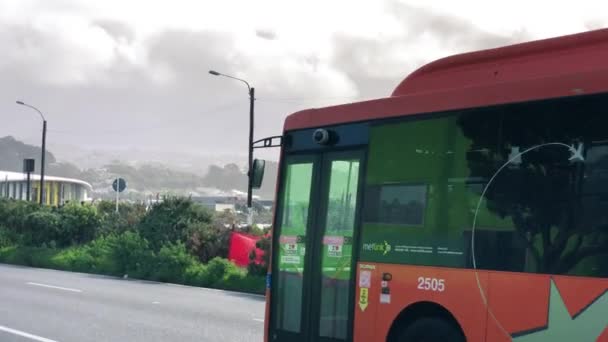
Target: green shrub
(33,225)
(207,241)
(7,255)
(7,237)
(128,216)
(196,275)
(174,219)
(246,283)
(131,253)
(219,269)
(28,256)
(79,224)
(115,254)
(167,243)
(172,264)
(232,277)
(77,259)
(172,261)
(40,227)
(13,213)
(42,257)
(223,274)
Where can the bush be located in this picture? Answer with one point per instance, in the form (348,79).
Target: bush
(208,241)
(28,256)
(245,283)
(131,253)
(217,268)
(32,225)
(174,219)
(167,243)
(79,224)
(7,237)
(196,274)
(76,259)
(13,213)
(10,255)
(172,262)
(40,227)
(116,254)
(128,216)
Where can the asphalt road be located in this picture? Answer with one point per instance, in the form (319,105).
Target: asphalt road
(54,306)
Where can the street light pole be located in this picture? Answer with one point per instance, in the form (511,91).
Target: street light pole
(251,122)
(250,172)
(42,158)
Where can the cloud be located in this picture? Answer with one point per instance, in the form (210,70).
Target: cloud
(189,55)
(109,74)
(595,24)
(377,64)
(450,31)
(117,29)
(64,54)
(266,34)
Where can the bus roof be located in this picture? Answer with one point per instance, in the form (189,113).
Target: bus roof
(550,68)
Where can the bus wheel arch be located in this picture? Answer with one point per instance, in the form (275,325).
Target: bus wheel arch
(422,311)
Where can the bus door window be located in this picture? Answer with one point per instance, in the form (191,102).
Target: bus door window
(292,240)
(336,253)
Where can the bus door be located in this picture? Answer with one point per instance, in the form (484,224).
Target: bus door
(313,267)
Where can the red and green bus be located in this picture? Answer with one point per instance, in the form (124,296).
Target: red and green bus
(470,205)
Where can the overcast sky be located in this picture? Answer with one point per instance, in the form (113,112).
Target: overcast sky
(118,74)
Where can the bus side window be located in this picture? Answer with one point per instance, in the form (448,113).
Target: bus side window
(402,204)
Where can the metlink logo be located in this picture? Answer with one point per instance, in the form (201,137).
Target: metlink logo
(380,247)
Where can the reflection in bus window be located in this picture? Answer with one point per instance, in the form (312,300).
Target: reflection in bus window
(292,239)
(337,248)
(545,211)
(395,204)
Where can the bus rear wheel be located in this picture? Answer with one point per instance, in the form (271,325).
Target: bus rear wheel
(431,330)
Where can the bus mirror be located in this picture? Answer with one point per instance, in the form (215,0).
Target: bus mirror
(257,173)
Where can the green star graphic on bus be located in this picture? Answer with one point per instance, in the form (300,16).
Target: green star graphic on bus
(587,326)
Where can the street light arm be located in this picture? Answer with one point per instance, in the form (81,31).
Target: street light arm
(34,108)
(234,78)
(238,79)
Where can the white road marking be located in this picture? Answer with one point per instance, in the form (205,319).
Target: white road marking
(24,334)
(155,302)
(258,320)
(54,287)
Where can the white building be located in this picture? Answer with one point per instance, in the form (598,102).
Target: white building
(58,190)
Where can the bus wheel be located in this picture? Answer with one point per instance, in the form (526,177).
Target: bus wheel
(431,330)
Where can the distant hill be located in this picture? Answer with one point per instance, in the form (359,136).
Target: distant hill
(13,151)
(231,177)
(143,179)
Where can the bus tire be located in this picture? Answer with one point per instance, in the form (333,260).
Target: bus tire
(430,329)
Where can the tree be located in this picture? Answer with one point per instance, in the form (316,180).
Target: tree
(173,220)
(128,217)
(79,224)
(209,242)
(42,227)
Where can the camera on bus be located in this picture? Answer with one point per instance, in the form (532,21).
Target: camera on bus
(321,136)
